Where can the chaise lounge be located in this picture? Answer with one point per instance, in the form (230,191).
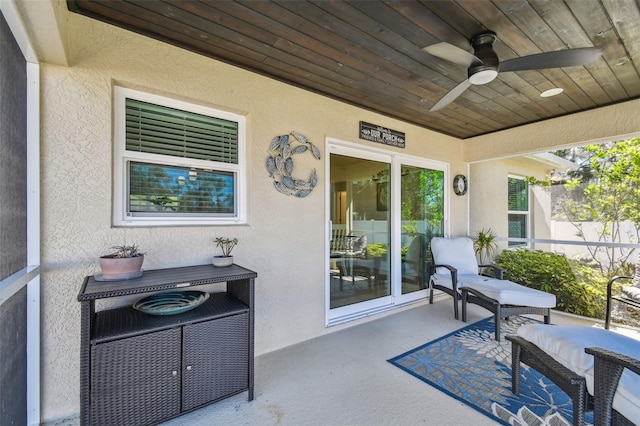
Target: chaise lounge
(456,272)
(588,363)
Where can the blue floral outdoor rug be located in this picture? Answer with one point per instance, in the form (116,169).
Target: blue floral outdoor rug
(470,365)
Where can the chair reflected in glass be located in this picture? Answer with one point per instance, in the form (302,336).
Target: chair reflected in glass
(354,248)
(359,271)
(415,266)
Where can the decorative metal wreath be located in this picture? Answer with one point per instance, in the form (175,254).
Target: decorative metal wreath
(280,164)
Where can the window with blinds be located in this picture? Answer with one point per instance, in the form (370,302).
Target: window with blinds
(518,200)
(180,163)
(157,129)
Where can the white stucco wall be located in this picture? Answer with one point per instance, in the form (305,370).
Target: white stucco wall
(284,239)
(488,191)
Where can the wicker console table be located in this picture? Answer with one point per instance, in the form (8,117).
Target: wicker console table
(139,369)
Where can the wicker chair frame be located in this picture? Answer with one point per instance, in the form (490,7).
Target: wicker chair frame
(608,368)
(621,298)
(523,351)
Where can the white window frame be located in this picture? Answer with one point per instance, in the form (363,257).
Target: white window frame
(122,157)
(526,214)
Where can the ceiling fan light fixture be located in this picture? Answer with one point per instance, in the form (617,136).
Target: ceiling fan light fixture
(483,77)
(551,92)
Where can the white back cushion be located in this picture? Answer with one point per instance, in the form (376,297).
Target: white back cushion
(566,343)
(457,252)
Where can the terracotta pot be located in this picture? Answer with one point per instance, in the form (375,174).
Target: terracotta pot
(121,268)
(221,261)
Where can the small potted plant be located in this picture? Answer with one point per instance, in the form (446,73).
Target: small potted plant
(226,245)
(124,263)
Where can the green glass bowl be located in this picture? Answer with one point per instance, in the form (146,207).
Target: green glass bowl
(171,303)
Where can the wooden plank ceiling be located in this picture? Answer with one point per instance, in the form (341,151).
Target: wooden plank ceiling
(369,53)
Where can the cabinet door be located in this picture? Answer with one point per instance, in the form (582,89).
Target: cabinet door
(136,381)
(215,360)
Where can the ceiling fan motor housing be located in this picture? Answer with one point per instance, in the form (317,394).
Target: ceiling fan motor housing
(486,70)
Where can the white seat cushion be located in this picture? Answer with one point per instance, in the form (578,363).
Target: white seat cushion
(510,293)
(566,344)
(457,252)
(631,292)
(504,291)
(444,280)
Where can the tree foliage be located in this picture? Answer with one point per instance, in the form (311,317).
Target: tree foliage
(610,181)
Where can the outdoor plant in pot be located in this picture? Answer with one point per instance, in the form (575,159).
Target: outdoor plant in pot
(226,245)
(485,245)
(123,264)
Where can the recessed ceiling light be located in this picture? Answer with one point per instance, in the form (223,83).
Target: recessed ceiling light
(551,92)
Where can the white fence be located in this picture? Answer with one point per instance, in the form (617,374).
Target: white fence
(565,232)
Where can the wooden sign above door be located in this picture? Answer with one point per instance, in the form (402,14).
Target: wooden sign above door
(374,133)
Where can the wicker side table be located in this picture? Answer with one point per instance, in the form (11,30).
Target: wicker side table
(138,369)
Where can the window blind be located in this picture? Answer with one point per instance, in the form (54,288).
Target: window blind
(518,195)
(157,129)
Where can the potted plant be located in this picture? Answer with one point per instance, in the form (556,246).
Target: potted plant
(484,245)
(124,263)
(226,245)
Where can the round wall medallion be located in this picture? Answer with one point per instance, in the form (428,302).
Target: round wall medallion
(460,184)
(280,164)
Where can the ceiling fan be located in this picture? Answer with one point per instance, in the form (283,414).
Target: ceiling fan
(484,65)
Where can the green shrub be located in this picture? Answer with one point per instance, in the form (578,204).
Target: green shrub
(552,273)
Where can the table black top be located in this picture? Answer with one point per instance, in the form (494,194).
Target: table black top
(162,279)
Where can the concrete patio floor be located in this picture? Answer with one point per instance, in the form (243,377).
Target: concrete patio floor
(343,378)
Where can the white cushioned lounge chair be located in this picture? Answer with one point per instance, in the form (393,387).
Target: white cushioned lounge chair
(565,354)
(456,271)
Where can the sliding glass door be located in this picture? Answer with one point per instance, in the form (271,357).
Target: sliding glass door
(422,218)
(359,241)
(383,211)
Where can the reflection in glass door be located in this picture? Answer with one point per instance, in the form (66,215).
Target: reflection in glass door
(422,218)
(359,252)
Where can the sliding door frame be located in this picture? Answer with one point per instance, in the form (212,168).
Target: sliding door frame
(396,160)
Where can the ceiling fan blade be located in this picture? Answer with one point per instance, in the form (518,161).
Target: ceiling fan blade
(451,96)
(452,53)
(557,59)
